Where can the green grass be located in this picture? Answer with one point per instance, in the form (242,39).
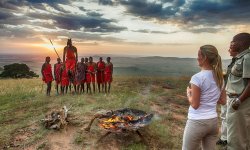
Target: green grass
(79,139)
(136,146)
(23,103)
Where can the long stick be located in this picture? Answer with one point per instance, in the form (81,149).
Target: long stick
(54,48)
(102,137)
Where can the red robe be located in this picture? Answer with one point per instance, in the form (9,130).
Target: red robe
(90,77)
(80,73)
(108,73)
(100,74)
(57,72)
(47,73)
(70,62)
(65,78)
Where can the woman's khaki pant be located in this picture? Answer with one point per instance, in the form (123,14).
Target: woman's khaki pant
(200,133)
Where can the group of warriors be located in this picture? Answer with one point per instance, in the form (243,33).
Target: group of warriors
(73,74)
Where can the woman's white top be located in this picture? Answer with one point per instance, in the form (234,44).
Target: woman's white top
(210,94)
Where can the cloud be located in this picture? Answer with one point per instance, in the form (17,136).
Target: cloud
(94,14)
(155,32)
(52,3)
(91,22)
(205,29)
(106,2)
(27,34)
(192,13)
(11,4)
(16,32)
(217,12)
(163,44)
(18,4)
(152,9)
(5,15)
(35,26)
(40,17)
(82,8)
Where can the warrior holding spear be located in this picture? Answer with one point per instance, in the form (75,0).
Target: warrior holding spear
(46,72)
(57,68)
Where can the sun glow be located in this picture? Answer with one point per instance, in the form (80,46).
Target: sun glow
(49,46)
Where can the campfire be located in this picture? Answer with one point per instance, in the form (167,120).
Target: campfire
(121,120)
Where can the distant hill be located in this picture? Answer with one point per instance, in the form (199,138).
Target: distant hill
(157,66)
(131,66)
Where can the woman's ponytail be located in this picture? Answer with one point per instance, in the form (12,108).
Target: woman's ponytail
(214,59)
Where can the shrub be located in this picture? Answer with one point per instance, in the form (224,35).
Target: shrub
(17,70)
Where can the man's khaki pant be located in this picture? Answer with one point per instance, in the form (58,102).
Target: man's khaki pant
(200,133)
(223,122)
(238,126)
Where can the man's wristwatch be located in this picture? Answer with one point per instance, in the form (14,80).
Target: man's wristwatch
(236,103)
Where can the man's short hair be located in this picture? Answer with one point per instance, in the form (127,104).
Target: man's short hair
(242,37)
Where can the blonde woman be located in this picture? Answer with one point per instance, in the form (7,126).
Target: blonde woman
(204,93)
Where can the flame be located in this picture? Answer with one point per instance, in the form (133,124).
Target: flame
(114,122)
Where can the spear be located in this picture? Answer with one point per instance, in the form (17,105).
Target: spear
(54,48)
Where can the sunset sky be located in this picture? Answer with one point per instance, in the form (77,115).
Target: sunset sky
(171,28)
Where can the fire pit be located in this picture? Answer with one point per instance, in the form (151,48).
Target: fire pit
(122,120)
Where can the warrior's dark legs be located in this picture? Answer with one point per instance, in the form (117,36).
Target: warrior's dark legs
(48,88)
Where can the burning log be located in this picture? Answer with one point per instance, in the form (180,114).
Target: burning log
(57,119)
(121,120)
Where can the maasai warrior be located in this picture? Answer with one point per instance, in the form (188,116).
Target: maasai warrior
(71,59)
(100,74)
(57,68)
(90,76)
(47,74)
(86,60)
(108,72)
(80,76)
(64,79)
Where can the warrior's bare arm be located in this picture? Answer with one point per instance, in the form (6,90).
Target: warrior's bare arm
(54,71)
(76,54)
(43,66)
(111,68)
(64,52)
